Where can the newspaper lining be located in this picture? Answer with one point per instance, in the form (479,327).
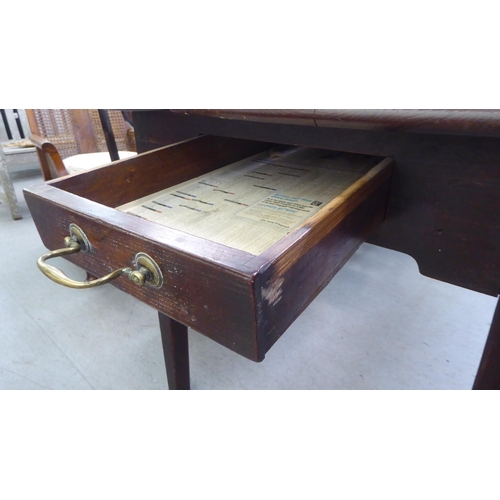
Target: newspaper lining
(251,204)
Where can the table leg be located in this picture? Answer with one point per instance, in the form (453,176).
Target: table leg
(10,194)
(488,374)
(174,337)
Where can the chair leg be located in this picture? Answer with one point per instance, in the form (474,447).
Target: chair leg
(488,374)
(8,188)
(174,336)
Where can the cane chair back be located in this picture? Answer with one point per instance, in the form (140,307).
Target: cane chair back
(63,133)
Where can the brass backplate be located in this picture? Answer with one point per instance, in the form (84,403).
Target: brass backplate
(77,232)
(143,259)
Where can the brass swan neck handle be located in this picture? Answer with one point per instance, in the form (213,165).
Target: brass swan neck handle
(147,270)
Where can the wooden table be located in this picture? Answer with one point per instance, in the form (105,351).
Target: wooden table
(444,202)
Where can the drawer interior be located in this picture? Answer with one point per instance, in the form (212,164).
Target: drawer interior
(243,194)
(244,297)
(127,180)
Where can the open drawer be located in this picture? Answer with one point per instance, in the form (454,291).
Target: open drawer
(253,233)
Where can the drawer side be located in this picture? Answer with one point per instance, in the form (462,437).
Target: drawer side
(290,283)
(209,298)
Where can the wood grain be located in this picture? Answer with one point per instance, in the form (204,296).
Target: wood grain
(209,287)
(50,160)
(444,208)
(132,178)
(205,294)
(483,122)
(292,279)
(282,116)
(174,337)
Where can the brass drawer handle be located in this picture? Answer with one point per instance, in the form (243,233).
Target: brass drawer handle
(147,270)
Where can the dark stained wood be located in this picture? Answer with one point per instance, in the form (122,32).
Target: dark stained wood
(108,134)
(483,122)
(50,160)
(156,132)
(219,255)
(444,208)
(430,121)
(292,280)
(488,374)
(174,337)
(207,286)
(282,116)
(322,223)
(201,288)
(142,175)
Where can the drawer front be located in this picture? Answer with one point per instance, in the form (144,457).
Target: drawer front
(242,301)
(202,295)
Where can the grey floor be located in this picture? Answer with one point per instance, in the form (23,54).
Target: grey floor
(378,325)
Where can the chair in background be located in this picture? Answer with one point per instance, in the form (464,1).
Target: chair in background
(16,151)
(70,141)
